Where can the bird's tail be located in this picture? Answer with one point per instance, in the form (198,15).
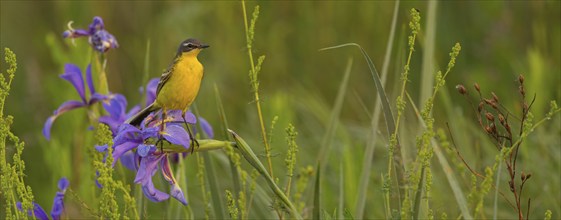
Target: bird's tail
(138,117)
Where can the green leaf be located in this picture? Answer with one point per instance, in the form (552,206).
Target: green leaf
(211,174)
(334,117)
(317,191)
(369,151)
(252,159)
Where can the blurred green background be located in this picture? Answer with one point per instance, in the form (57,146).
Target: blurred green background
(500,39)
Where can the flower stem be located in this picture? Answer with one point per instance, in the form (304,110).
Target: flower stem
(253,75)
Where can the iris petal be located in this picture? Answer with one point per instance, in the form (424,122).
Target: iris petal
(190,118)
(122,149)
(177,193)
(127,133)
(166,171)
(75,33)
(96,97)
(151,90)
(89,79)
(63,184)
(97,24)
(47,127)
(116,106)
(144,175)
(152,193)
(128,160)
(58,206)
(144,150)
(102,41)
(111,122)
(38,211)
(67,106)
(150,132)
(175,134)
(206,128)
(147,168)
(73,75)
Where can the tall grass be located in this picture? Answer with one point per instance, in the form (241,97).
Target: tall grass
(436,162)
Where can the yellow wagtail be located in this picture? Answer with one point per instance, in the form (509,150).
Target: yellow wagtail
(178,86)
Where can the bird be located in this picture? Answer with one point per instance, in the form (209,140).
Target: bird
(178,86)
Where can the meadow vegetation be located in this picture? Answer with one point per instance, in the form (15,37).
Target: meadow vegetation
(294,119)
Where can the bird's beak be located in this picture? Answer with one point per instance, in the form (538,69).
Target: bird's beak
(204,46)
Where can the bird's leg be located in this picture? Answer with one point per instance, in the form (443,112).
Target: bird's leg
(194,142)
(162,129)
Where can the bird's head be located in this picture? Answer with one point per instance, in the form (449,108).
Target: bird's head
(191,47)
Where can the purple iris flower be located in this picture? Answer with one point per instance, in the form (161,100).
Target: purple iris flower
(116,107)
(147,158)
(207,129)
(58,204)
(99,38)
(73,75)
(151,90)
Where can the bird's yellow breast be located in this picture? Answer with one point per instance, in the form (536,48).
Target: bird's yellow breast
(182,87)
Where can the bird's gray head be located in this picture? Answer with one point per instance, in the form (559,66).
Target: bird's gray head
(191,44)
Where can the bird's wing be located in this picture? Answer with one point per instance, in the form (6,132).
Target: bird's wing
(165,76)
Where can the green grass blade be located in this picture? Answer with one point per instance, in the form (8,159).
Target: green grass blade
(223,119)
(418,195)
(252,159)
(388,116)
(317,191)
(214,189)
(334,117)
(146,73)
(341,192)
(428,66)
(381,93)
(211,175)
(458,194)
(496,199)
(369,152)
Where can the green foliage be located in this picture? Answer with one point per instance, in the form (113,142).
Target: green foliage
(201,177)
(548,214)
(290,160)
(12,174)
(253,73)
(232,208)
(108,206)
(307,83)
(302,182)
(252,159)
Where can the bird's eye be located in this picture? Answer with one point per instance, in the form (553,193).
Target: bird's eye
(190,45)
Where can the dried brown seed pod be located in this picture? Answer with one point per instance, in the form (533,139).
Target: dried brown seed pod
(501,119)
(489,116)
(495,98)
(477,87)
(511,185)
(488,129)
(521,79)
(493,128)
(480,107)
(528,176)
(522,176)
(491,103)
(521,90)
(461,89)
